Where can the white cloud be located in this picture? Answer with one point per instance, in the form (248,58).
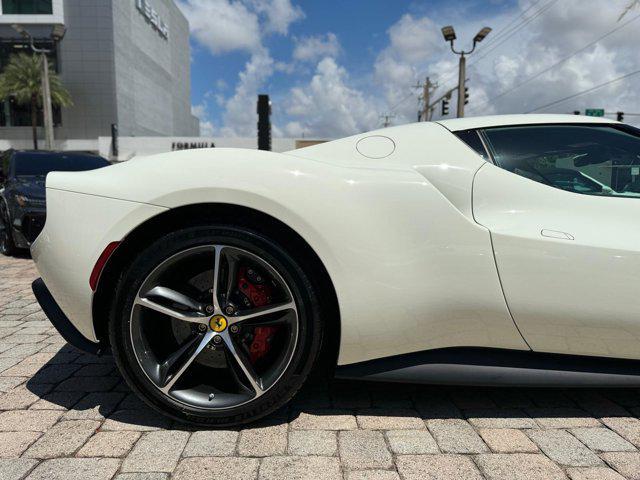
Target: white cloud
(312,48)
(240,115)
(328,106)
(223,25)
(207,128)
(279,14)
(416,49)
(414,42)
(241,25)
(238,25)
(556,35)
(329,102)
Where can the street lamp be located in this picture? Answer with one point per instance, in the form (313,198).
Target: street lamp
(449,35)
(57,34)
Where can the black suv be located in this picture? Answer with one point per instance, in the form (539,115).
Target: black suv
(22,192)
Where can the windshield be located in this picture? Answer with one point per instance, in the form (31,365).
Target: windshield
(39,164)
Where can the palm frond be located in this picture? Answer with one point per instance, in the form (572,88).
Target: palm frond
(22,79)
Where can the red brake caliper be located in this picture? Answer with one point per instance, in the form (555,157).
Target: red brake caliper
(254,287)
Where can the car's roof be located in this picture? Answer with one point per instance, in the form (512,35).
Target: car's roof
(467,123)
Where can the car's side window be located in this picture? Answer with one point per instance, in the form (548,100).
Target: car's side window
(472,139)
(587,159)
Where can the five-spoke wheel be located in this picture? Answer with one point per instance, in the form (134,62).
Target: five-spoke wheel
(214,326)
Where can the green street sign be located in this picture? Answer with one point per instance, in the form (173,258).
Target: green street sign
(594,112)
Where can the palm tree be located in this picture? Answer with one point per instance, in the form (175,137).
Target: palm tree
(22,80)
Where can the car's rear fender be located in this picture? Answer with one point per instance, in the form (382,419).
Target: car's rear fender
(77,230)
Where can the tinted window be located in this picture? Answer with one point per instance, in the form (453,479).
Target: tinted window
(592,160)
(29,7)
(472,139)
(39,164)
(4,165)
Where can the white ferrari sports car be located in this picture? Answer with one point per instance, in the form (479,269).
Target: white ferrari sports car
(489,250)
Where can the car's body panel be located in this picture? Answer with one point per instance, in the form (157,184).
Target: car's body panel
(78,228)
(402,225)
(575,293)
(398,230)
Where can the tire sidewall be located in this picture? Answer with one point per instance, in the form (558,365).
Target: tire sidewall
(7,246)
(305,296)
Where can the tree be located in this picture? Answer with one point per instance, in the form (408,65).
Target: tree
(22,80)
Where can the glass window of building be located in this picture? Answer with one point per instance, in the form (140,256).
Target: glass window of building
(28,7)
(13,114)
(585,159)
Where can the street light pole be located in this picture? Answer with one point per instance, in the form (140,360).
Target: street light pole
(46,103)
(450,35)
(47,107)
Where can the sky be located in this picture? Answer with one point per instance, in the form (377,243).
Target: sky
(334,67)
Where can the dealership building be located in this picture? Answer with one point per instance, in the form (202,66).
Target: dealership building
(124,62)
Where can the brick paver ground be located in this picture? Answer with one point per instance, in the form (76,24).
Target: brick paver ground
(68,415)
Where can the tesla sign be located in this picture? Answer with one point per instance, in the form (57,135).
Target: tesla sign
(144,7)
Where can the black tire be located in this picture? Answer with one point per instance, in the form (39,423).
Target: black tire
(7,245)
(309,333)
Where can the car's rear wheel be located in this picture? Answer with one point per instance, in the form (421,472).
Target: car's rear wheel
(215,325)
(7,244)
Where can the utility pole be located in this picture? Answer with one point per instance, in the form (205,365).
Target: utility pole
(427,89)
(426,93)
(387,119)
(450,35)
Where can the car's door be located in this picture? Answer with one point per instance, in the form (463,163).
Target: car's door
(567,246)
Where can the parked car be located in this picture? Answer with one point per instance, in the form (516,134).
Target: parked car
(22,191)
(433,252)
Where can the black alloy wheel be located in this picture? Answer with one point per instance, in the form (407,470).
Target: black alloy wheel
(215,325)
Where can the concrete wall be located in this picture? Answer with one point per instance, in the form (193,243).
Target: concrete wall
(86,65)
(152,72)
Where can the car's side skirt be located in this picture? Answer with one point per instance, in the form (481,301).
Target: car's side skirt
(495,367)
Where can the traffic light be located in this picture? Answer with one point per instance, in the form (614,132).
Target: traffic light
(445,106)
(466,95)
(264,123)
(620,116)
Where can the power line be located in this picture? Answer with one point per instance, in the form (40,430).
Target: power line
(559,62)
(404,99)
(517,28)
(589,90)
(503,30)
(387,119)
